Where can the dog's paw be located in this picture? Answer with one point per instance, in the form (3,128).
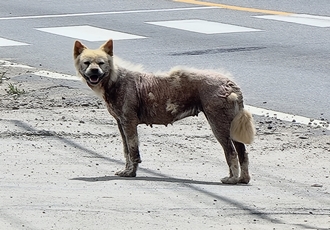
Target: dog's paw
(230,180)
(126,173)
(244,180)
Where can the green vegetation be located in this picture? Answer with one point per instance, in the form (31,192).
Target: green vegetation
(2,76)
(13,90)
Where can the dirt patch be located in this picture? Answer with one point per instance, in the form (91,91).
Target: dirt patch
(60,149)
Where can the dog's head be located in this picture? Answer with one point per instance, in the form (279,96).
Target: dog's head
(94,65)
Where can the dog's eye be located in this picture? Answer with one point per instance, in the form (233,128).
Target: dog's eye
(87,63)
(101,63)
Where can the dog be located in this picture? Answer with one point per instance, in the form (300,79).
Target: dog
(133,96)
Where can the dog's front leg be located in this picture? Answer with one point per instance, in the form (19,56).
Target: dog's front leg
(131,149)
(123,137)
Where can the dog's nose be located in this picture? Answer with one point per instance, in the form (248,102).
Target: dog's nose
(95,71)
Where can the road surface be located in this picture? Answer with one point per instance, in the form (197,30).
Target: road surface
(280,65)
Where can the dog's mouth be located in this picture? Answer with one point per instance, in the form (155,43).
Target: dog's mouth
(94,79)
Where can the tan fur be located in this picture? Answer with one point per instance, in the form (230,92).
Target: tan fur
(171,107)
(233,97)
(134,97)
(242,127)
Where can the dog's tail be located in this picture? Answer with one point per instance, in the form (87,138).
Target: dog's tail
(242,127)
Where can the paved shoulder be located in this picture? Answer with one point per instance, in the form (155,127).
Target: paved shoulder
(60,150)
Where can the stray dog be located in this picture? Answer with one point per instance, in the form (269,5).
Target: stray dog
(135,97)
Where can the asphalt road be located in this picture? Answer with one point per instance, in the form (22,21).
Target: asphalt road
(283,66)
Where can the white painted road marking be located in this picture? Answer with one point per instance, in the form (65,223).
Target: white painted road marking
(287,117)
(7,42)
(4,63)
(304,19)
(105,13)
(89,33)
(49,74)
(201,26)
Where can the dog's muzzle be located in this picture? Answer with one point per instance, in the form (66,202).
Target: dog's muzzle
(94,76)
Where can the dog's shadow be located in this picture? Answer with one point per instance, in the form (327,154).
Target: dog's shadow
(148,178)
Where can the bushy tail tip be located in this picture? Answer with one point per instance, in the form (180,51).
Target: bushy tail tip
(242,127)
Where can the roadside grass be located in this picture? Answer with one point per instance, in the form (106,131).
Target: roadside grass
(13,90)
(2,76)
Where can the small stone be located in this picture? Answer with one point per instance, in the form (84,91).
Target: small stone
(317,185)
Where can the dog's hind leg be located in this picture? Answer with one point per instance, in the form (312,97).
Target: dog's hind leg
(221,131)
(244,162)
(232,161)
(131,150)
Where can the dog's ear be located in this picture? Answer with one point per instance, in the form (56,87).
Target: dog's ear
(78,49)
(108,47)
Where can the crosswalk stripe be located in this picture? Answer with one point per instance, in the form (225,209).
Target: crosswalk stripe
(204,27)
(89,33)
(304,19)
(7,42)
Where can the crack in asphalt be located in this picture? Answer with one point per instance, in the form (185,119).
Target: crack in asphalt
(217,50)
